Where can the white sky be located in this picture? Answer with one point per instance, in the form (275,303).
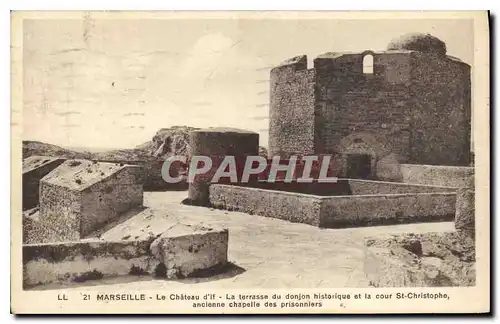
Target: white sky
(113,83)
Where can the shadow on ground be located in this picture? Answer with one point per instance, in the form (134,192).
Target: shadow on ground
(229,270)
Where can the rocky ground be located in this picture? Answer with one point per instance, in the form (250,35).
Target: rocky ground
(421,260)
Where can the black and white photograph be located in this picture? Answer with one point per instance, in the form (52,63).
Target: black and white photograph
(256,162)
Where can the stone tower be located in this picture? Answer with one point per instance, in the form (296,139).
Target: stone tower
(408,104)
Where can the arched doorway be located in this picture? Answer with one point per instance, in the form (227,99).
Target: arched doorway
(359,166)
(360,152)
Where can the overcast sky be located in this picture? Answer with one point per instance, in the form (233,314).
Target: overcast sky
(113,83)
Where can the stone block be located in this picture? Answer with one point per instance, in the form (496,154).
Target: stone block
(217,143)
(81,196)
(34,169)
(465,214)
(187,250)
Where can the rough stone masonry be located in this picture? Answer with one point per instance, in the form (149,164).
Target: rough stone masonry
(408,104)
(217,143)
(80,196)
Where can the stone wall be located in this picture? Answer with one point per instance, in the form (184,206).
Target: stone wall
(108,199)
(293,207)
(217,144)
(441,110)
(448,176)
(342,211)
(60,214)
(362,113)
(335,211)
(346,187)
(291,118)
(465,220)
(86,260)
(363,187)
(81,196)
(177,251)
(339,188)
(414,108)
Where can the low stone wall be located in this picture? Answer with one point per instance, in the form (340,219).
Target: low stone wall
(465,215)
(345,187)
(183,250)
(335,211)
(434,175)
(368,187)
(346,211)
(85,260)
(339,188)
(34,169)
(294,207)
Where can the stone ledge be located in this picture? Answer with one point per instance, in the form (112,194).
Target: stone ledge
(181,251)
(85,260)
(423,260)
(187,249)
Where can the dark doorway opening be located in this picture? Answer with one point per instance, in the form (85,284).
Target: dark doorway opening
(359,166)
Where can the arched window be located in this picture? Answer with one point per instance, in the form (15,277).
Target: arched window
(368,64)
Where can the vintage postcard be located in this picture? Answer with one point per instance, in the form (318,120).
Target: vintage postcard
(250,162)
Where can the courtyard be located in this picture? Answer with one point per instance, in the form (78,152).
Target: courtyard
(263,252)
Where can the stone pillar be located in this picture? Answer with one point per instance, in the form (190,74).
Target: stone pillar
(465,211)
(218,143)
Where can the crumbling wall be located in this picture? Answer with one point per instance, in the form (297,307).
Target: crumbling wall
(441,110)
(292,101)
